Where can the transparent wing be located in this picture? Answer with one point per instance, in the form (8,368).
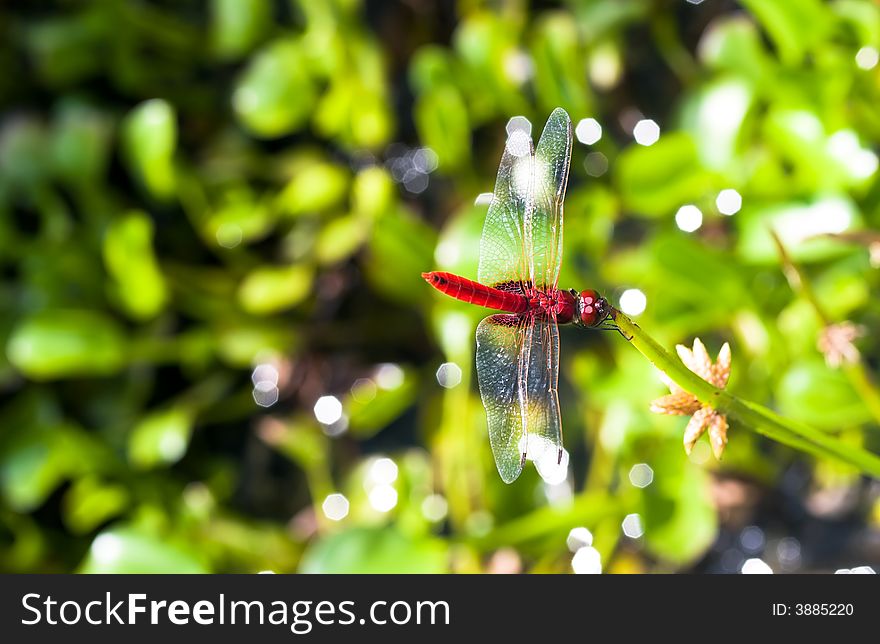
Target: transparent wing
(522,235)
(541,401)
(499,344)
(552,159)
(518,372)
(503,253)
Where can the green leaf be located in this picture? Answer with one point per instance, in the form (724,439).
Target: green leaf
(795,26)
(431,66)
(371,408)
(339,238)
(23,152)
(131,262)
(90,502)
(401,248)
(734,45)
(81,138)
(714,117)
(315,187)
(66,343)
(240,344)
(241,217)
(150,138)
(443,123)
(658,179)
(800,226)
(679,518)
(372,551)
(32,468)
(372,193)
(34,463)
(237,25)
(560,65)
(126,550)
(814,393)
(275,95)
(161,438)
(268,290)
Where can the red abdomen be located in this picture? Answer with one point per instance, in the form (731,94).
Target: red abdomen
(469,291)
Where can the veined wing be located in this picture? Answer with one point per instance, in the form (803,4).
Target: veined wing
(518,371)
(552,159)
(543,420)
(499,344)
(503,251)
(522,235)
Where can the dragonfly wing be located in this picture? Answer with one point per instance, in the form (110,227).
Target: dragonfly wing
(503,253)
(552,159)
(518,371)
(499,345)
(543,422)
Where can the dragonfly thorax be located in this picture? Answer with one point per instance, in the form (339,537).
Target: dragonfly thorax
(556,301)
(590,308)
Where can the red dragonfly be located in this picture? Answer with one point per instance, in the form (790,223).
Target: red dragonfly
(520,255)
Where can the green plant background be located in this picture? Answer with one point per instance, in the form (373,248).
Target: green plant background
(191,189)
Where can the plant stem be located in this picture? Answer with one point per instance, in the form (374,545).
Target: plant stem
(749,414)
(856,372)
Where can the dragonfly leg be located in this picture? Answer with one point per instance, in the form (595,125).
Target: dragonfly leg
(609,325)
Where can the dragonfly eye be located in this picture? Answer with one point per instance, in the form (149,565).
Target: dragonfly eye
(591,308)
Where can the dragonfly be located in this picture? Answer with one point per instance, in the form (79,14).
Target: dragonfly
(517,351)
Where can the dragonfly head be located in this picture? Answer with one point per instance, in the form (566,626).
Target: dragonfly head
(591,309)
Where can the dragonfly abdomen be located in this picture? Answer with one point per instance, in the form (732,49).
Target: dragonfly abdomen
(467,290)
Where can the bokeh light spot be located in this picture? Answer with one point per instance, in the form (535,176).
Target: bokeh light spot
(588,131)
(867,57)
(587,561)
(335,507)
(579,538)
(756,567)
(383,498)
(689,218)
(728,202)
(449,375)
(641,475)
(646,132)
(632,526)
(633,301)
(328,410)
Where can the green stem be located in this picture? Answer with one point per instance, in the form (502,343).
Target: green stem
(855,372)
(751,415)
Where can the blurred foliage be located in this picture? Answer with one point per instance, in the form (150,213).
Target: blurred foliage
(214,214)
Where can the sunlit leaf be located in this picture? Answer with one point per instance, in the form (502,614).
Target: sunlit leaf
(365,551)
(315,187)
(794,26)
(800,225)
(130,260)
(62,344)
(275,95)
(679,519)
(238,24)
(657,180)
(127,550)
(442,119)
(90,502)
(816,394)
(150,139)
(160,438)
(270,289)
